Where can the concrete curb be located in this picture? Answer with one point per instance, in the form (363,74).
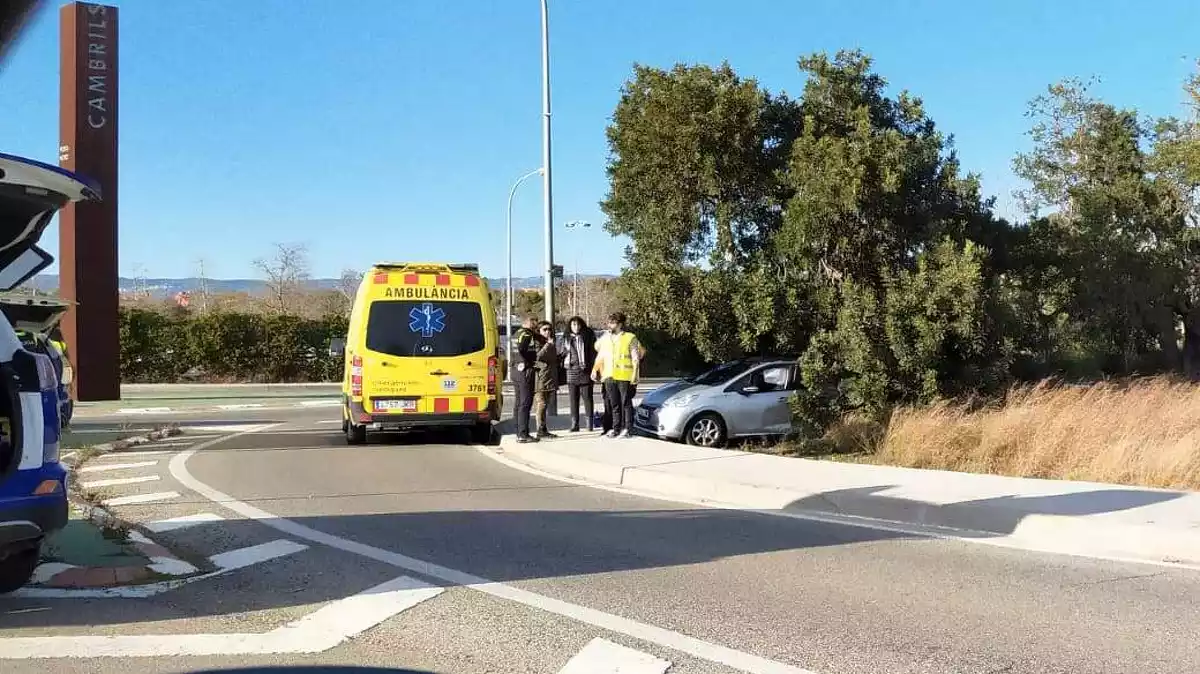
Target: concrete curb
(211,407)
(162,562)
(989,523)
(94,413)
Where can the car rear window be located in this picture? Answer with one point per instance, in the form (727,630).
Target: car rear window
(408,328)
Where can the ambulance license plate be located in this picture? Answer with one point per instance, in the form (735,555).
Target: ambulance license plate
(395,405)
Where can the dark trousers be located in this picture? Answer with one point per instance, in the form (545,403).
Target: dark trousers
(541,401)
(574,393)
(620,395)
(523,388)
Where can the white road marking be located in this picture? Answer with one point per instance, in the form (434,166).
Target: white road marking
(99,468)
(240,406)
(142,498)
(169,566)
(77,431)
(176,523)
(318,631)
(118,481)
(230,562)
(147,452)
(236,559)
(602,656)
(746,662)
(237,429)
(143,410)
(329,421)
(321,403)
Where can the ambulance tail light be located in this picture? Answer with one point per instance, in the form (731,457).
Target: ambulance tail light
(356,376)
(493,367)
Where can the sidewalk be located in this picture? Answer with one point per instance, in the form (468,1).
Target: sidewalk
(1081,518)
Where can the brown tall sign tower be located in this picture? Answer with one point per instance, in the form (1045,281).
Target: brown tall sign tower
(87,244)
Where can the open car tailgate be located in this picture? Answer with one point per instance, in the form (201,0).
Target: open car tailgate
(31,192)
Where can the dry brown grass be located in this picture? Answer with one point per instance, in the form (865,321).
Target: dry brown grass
(1143,432)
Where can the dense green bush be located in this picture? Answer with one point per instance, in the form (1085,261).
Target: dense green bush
(221,346)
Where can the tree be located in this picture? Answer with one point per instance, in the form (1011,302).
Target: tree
(286,275)
(837,226)
(885,245)
(1176,162)
(1116,223)
(694,159)
(341,300)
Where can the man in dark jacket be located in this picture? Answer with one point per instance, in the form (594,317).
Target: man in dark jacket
(523,373)
(578,357)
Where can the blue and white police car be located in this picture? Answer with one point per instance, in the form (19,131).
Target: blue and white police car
(33,482)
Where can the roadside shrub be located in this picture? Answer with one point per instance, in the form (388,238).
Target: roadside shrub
(1143,432)
(227,347)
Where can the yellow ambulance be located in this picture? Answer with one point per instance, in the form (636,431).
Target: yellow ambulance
(422,350)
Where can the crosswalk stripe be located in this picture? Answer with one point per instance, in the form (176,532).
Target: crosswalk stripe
(243,557)
(99,468)
(602,656)
(148,452)
(142,498)
(176,523)
(118,481)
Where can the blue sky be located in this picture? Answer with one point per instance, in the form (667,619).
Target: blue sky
(393,129)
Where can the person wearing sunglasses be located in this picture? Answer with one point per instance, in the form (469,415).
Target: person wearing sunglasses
(546,383)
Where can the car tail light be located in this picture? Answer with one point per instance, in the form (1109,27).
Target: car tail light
(493,365)
(356,370)
(47,375)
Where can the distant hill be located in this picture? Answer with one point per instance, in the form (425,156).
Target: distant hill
(166,287)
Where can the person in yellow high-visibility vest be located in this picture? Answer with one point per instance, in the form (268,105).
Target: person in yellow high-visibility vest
(618,365)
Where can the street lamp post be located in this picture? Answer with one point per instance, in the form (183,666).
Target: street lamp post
(547,200)
(508,293)
(577,224)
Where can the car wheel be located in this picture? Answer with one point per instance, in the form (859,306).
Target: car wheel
(17,569)
(706,430)
(355,435)
(481,433)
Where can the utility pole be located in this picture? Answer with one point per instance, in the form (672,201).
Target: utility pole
(547,195)
(203,288)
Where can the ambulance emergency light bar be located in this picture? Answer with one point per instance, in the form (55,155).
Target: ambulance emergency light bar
(465,268)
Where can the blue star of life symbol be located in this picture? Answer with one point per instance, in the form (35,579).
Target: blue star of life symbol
(427,320)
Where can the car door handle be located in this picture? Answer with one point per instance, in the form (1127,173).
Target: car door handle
(439,373)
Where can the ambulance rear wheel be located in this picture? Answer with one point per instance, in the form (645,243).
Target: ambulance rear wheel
(355,435)
(17,569)
(481,434)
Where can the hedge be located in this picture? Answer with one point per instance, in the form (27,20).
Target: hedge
(159,347)
(227,347)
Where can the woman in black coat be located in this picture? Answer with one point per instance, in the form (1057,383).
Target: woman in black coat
(578,357)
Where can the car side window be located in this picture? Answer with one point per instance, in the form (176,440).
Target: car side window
(773,378)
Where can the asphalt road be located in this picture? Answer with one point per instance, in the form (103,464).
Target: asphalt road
(535,569)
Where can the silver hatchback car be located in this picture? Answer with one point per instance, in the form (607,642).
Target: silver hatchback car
(741,398)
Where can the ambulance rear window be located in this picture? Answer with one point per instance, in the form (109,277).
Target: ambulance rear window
(428,329)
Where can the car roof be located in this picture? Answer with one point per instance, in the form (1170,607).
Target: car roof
(762,360)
